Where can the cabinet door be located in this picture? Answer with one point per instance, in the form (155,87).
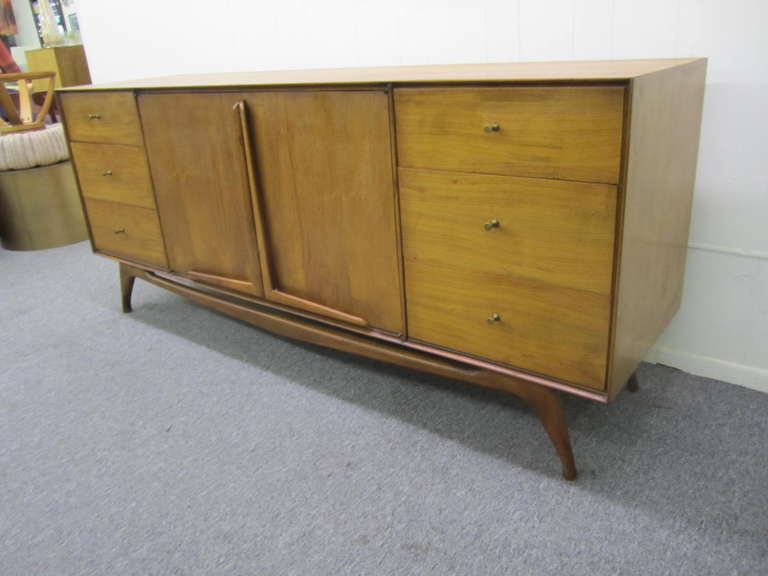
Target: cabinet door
(195,149)
(322,170)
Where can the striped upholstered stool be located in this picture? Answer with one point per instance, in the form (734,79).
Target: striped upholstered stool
(39,204)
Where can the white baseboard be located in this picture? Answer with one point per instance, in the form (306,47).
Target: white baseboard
(740,374)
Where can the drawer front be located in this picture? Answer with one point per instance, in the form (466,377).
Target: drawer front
(108,117)
(514,270)
(128,231)
(568,133)
(114,172)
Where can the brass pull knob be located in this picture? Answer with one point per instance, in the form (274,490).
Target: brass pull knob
(120,231)
(493,318)
(492,128)
(94,116)
(107,173)
(492,224)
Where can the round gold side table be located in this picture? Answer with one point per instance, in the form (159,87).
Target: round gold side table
(40,208)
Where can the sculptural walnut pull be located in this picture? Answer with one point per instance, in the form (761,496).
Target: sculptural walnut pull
(492,224)
(107,173)
(493,318)
(492,128)
(94,116)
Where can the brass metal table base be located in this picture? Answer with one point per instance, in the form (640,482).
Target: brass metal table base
(40,208)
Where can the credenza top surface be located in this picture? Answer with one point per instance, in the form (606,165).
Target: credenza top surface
(581,71)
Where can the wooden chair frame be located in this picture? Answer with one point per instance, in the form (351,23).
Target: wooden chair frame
(21,119)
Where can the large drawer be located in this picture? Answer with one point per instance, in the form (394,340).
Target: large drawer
(567,132)
(514,270)
(114,172)
(109,117)
(128,231)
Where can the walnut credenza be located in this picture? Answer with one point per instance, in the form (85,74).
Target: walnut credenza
(517,226)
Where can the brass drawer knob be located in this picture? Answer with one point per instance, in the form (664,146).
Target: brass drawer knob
(120,231)
(492,224)
(493,318)
(107,173)
(490,128)
(94,116)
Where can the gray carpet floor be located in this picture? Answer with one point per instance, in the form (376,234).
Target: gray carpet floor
(178,441)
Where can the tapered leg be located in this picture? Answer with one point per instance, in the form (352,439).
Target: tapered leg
(126,286)
(546,404)
(632,384)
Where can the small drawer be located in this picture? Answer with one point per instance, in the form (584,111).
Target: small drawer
(567,133)
(514,270)
(114,172)
(128,231)
(109,117)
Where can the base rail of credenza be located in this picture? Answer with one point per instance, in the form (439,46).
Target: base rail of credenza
(544,401)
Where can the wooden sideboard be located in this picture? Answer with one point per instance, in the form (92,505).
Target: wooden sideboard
(517,226)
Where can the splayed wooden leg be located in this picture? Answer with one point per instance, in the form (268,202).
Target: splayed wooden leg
(127,279)
(546,404)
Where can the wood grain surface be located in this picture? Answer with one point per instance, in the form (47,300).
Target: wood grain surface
(196,158)
(129,231)
(571,71)
(569,132)
(324,169)
(114,172)
(109,117)
(545,270)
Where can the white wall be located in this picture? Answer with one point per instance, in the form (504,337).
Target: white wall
(722,327)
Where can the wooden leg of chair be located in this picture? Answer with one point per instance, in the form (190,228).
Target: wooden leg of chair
(126,286)
(546,404)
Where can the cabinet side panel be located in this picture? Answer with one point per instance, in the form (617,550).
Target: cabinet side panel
(661,168)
